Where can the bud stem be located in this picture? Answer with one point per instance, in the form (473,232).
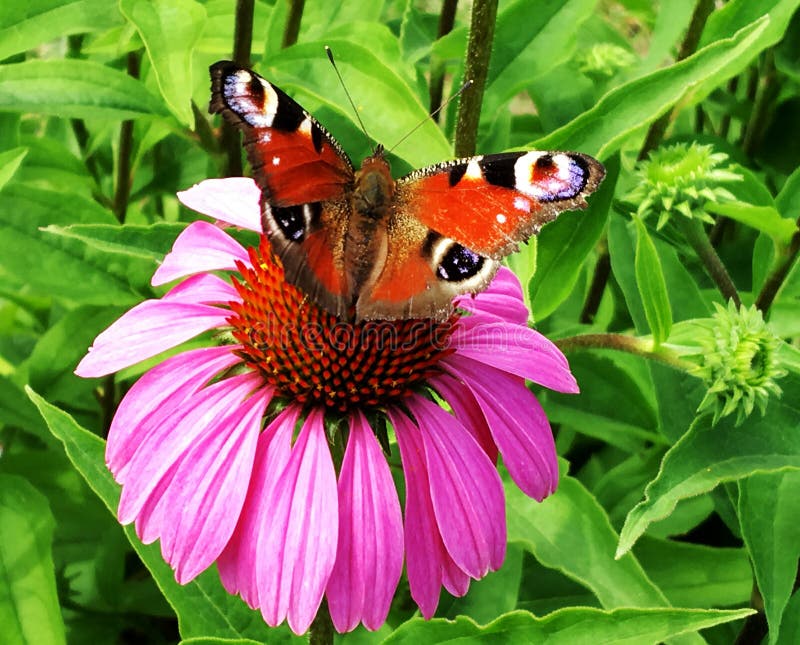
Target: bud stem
(623,343)
(696,235)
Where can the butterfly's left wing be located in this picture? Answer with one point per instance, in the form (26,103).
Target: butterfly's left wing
(453,223)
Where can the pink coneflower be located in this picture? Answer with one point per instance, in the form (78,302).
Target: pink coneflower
(224,455)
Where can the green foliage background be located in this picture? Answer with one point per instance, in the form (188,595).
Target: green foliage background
(663,524)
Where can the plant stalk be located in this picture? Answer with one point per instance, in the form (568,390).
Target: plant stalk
(695,234)
(623,343)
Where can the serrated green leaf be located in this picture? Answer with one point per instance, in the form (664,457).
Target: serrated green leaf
(79,89)
(57,266)
(26,25)
(29,611)
(170,30)
(652,286)
(203,607)
(562,247)
(707,456)
(766,219)
(10,160)
(601,130)
(571,626)
(768,510)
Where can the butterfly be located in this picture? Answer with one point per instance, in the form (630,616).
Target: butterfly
(363,245)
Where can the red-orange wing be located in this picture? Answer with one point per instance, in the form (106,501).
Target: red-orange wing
(294,159)
(490,204)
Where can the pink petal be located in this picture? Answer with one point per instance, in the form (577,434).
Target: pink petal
(151,327)
(204,289)
(156,394)
(235,200)
(207,492)
(238,563)
(369,558)
(502,299)
(297,548)
(428,563)
(168,443)
(514,349)
(200,247)
(466,408)
(466,490)
(518,425)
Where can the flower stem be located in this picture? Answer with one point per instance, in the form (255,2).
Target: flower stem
(766,93)
(657,130)
(623,343)
(778,275)
(602,271)
(476,68)
(446,21)
(321,632)
(292,28)
(242,43)
(122,192)
(695,234)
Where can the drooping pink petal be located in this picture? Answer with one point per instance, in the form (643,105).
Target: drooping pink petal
(169,442)
(208,489)
(502,299)
(466,408)
(297,548)
(238,563)
(200,247)
(235,200)
(466,490)
(369,558)
(515,349)
(203,289)
(151,327)
(156,394)
(428,564)
(518,424)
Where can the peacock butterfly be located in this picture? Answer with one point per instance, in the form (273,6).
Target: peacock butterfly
(363,245)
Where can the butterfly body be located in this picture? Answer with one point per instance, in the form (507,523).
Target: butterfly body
(364,245)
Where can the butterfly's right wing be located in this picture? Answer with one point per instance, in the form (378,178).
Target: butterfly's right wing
(305,179)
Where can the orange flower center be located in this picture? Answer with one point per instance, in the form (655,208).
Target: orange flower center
(311,356)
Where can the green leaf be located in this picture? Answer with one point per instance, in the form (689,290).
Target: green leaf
(790,628)
(571,626)
(26,25)
(29,611)
(203,607)
(10,161)
(768,510)
(766,219)
(562,247)
(652,286)
(78,89)
(707,456)
(170,30)
(788,200)
(736,14)
(58,266)
(695,575)
(571,522)
(390,100)
(601,130)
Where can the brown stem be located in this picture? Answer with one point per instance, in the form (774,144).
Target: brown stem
(657,130)
(446,21)
(623,343)
(124,175)
(476,69)
(763,104)
(230,140)
(292,28)
(108,402)
(725,123)
(695,234)
(778,275)
(602,271)
(321,632)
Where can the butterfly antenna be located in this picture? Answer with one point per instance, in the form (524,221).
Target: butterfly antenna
(433,114)
(349,98)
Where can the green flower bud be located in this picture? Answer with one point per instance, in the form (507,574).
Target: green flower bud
(681,179)
(738,362)
(604,59)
